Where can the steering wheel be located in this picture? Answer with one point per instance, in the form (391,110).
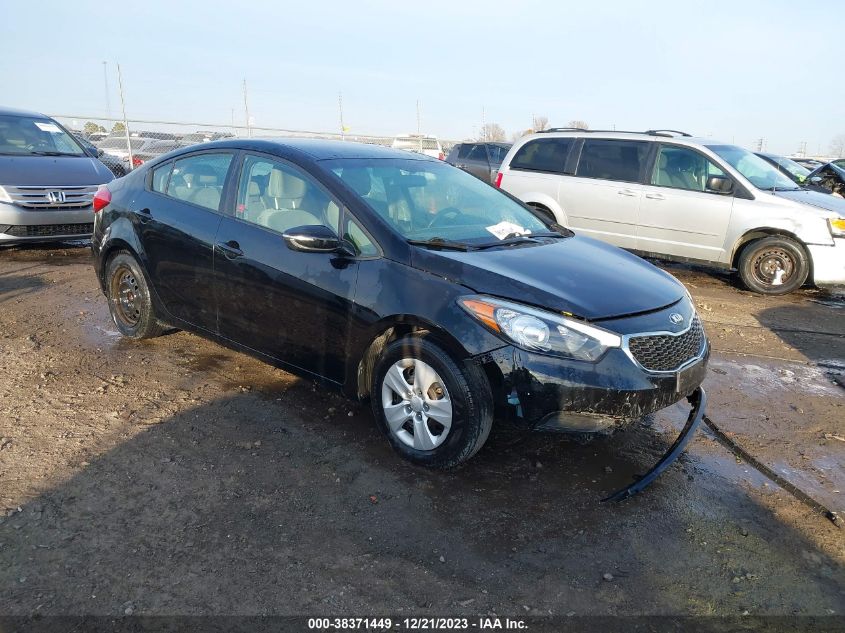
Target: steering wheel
(444,215)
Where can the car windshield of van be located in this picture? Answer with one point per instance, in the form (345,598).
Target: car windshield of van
(431,201)
(759,172)
(35,136)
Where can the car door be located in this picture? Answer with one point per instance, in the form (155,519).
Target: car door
(477,162)
(291,305)
(678,215)
(178,215)
(602,199)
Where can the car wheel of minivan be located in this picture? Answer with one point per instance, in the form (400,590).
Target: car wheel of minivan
(129,298)
(435,411)
(773,265)
(543,212)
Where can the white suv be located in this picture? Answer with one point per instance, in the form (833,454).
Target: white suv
(666,194)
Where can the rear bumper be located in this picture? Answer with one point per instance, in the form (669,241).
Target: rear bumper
(828,263)
(19,225)
(551,393)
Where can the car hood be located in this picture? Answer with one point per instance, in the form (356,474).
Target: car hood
(59,171)
(815,199)
(578,275)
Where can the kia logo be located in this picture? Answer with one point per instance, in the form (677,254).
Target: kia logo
(56,197)
(676,318)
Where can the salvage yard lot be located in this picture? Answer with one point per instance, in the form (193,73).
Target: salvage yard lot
(176,476)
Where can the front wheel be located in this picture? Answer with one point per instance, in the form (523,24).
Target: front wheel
(435,411)
(774,265)
(129,298)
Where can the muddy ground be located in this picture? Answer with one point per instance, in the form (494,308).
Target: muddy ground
(178,477)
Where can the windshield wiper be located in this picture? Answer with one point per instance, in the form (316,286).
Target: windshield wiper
(439,242)
(45,153)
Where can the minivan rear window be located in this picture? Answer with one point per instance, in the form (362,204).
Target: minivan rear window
(611,159)
(544,154)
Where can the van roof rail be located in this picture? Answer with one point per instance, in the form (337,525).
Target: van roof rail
(649,132)
(667,133)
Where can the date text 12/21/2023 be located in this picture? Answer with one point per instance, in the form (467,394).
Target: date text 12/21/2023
(416,624)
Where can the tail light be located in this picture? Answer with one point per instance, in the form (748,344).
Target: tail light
(102,198)
(136,162)
(441,156)
(499,180)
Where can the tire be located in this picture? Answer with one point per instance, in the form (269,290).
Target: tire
(460,387)
(774,265)
(544,213)
(129,298)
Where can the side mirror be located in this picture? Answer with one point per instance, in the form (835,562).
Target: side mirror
(719,184)
(314,238)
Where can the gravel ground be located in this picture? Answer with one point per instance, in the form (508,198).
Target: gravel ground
(175,476)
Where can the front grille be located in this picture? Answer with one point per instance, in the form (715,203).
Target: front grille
(50,230)
(52,198)
(663,352)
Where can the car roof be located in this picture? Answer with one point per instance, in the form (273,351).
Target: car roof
(656,136)
(15,112)
(315,149)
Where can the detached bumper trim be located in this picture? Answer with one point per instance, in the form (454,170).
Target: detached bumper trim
(698,401)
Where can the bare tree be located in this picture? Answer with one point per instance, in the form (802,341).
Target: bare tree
(837,145)
(492,132)
(581,125)
(540,123)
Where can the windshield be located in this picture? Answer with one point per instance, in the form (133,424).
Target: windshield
(800,173)
(760,173)
(423,200)
(35,136)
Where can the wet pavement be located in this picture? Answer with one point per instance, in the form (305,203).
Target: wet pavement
(177,476)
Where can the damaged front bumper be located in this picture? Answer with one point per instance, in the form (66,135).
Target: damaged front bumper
(548,393)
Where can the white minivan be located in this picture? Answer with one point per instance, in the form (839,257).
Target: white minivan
(666,194)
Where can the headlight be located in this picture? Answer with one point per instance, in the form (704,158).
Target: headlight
(541,331)
(837,227)
(4,195)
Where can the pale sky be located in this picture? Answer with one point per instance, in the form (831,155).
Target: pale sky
(737,71)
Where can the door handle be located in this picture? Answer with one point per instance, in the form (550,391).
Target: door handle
(230,249)
(655,196)
(627,192)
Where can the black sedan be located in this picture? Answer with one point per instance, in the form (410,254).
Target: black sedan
(402,279)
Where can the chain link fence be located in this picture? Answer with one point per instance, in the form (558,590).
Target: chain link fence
(124,145)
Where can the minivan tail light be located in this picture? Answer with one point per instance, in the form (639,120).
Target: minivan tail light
(441,156)
(499,180)
(102,198)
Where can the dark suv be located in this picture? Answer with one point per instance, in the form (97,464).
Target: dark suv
(479,159)
(396,277)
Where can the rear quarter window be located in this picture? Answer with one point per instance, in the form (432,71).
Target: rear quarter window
(544,154)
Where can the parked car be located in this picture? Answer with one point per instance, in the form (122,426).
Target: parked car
(669,195)
(831,177)
(400,278)
(479,159)
(203,137)
(798,174)
(809,163)
(47,180)
(115,154)
(427,145)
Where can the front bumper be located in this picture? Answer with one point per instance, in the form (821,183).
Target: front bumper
(551,393)
(19,225)
(828,263)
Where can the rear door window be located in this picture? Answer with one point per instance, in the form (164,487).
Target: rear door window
(544,154)
(464,150)
(612,159)
(199,179)
(478,153)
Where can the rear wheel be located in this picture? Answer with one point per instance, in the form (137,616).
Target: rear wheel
(129,298)
(774,265)
(435,411)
